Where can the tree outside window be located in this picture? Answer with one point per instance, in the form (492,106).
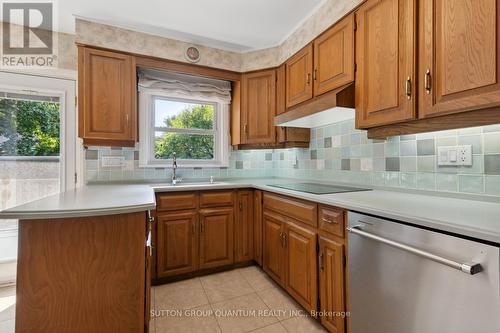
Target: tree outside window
(187,129)
(29,127)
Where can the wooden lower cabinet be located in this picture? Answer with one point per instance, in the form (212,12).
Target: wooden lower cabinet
(216,237)
(331,283)
(244,227)
(273,257)
(307,261)
(177,250)
(290,258)
(301,270)
(201,230)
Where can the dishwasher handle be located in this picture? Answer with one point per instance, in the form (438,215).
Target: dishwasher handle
(465,268)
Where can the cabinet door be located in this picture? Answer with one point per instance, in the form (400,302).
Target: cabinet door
(273,251)
(299,77)
(257,235)
(331,284)
(385,57)
(176,242)
(216,237)
(107,90)
(244,226)
(258,107)
(334,57)
(459,56)
(301,272)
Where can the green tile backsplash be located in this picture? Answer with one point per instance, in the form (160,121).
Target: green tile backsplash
(339,152)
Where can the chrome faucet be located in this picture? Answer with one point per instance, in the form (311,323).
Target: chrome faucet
(175,180)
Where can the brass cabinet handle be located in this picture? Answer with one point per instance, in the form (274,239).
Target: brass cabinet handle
(202,226)
(408,87)
(245,128)
(281,238)
(427,83)
(126,120)
(284,239)
(315,75)
(321,264)
(308,78)
(329,221)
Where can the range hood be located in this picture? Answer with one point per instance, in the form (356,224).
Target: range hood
(332,107)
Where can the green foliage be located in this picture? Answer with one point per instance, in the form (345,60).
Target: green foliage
(188,146)
(29,128)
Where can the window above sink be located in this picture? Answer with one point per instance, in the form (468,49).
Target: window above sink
(185,115)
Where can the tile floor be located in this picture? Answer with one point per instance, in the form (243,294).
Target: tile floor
(241,300)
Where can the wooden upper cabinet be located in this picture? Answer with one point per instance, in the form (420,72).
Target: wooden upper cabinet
(334,57)
(459,67)
(258,107)
(176,243)
(385,58)
(244,228)
(299,70)
(331,281)
(301,272)
(107,102)
(216,237)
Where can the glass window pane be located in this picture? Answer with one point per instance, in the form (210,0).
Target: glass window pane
(29,161)
(178,114)
(186,146)
(29,127)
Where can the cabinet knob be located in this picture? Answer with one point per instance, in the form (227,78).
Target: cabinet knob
(321,263)
(427,81)
(408,87)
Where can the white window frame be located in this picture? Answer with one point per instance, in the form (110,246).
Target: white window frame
(147,131)
(65,89)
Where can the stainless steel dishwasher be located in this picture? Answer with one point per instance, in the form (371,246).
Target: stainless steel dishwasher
(404,279)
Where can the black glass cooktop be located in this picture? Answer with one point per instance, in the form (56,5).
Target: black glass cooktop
(318,188)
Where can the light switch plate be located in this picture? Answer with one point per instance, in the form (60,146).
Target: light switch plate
(455,155)
(112,161)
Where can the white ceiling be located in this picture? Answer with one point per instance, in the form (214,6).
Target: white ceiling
(236,25)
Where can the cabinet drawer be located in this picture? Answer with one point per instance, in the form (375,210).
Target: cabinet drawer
(331,220)
(216,198)
(304,211)
(177,201)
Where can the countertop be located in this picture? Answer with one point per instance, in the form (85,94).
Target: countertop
(473,218)
(92,200)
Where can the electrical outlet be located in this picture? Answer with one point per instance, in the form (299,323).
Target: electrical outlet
(112,161)
(455,155)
